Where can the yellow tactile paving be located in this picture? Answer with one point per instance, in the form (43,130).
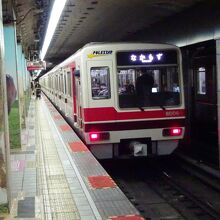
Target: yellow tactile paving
(52,183)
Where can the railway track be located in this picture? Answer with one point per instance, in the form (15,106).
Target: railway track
(168,192)
(201,171)
(183,200)
(157,194)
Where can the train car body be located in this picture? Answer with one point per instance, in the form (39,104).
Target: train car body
(123,99)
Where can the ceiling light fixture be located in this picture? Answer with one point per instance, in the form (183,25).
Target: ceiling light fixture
(54,18)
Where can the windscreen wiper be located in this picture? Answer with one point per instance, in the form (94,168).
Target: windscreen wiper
(161,106)
(142,109)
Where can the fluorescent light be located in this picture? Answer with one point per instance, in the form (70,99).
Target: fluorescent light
(54,18)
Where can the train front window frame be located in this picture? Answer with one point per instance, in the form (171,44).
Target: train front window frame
(100,82)
(161,86)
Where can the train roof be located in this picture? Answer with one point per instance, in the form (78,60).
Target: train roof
(125,42)
(112,44)
(107,44)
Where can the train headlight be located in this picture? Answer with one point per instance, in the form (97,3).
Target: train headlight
(172,132)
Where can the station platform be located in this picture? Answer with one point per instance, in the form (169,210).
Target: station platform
(55,176)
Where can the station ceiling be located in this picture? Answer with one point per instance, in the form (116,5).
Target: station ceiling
(85,21)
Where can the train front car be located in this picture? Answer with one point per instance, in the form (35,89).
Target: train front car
(133,99)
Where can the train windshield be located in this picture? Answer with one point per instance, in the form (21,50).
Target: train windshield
(148,86)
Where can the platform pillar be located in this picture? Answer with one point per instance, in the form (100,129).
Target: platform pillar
(24,82)
(4,130)
(21,83)
(11,68)
(26,74)
(27,83)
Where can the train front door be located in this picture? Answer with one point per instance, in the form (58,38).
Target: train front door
(76,98)
(204,110)
(78,102)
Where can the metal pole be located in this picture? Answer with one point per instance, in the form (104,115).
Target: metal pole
(218,91)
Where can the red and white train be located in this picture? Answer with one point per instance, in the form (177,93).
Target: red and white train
(123,99)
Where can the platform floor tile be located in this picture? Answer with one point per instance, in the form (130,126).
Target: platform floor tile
(57,198)
(62,194)
(108,201)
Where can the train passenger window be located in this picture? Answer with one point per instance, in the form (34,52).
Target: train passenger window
(201,81)
(61,83)
(69,90)
(53,83)
(56,83)
(100,82)
(64,87)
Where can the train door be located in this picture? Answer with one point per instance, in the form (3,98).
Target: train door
(101,101)
(69,99)
(74,95)
(204,109)
(65,89)
(77,98)
(78,102)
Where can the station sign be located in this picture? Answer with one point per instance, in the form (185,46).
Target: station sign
(36,65)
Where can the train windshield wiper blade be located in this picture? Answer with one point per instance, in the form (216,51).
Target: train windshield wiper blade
(141,108)
(161,106)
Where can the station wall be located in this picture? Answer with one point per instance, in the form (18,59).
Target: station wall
(4,140)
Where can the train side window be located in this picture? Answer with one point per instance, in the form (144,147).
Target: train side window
(100,82)
(61,84)
(53,83)
(69,89)
(59,81)
(56,83)
(201,81)
(65,85)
